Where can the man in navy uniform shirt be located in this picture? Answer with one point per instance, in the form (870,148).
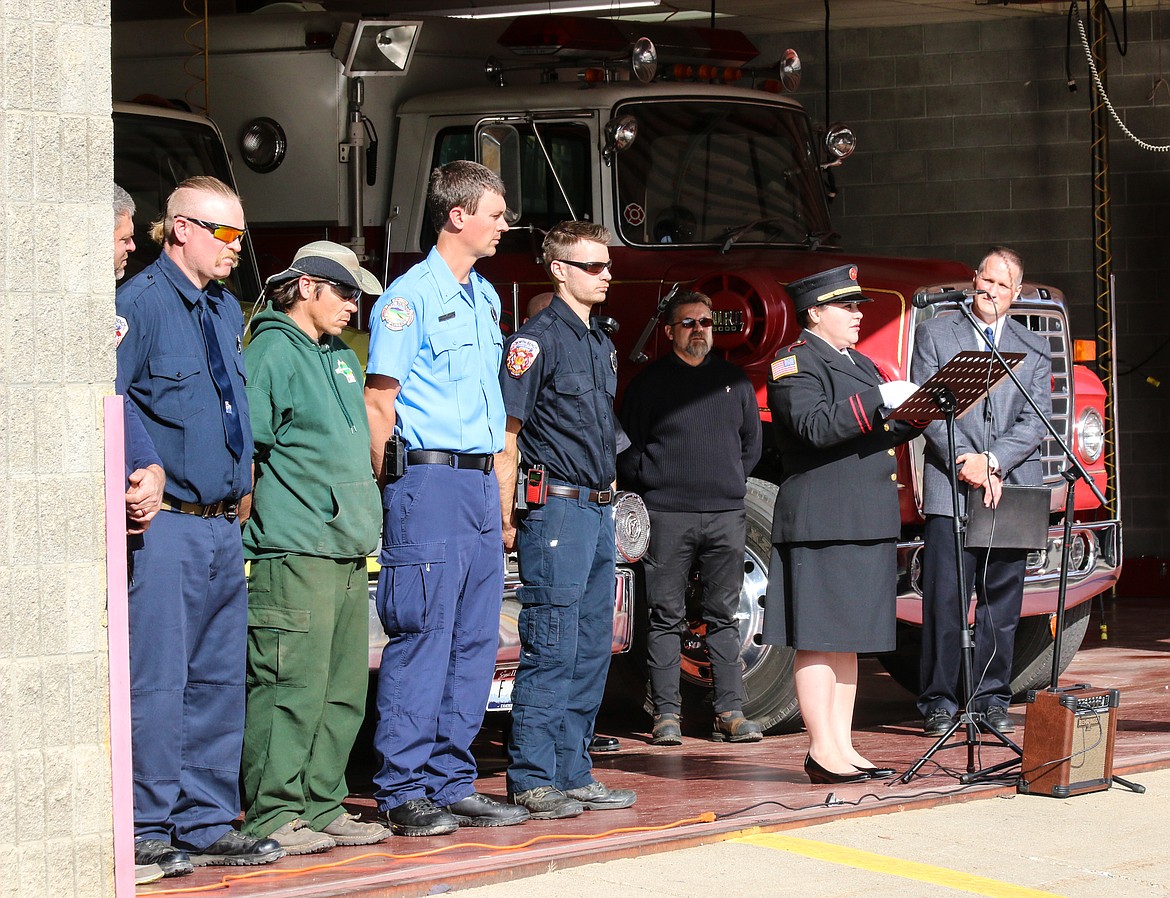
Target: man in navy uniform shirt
(180,362)
(431,390)
(558,381)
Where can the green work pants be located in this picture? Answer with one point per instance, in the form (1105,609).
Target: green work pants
(307,679)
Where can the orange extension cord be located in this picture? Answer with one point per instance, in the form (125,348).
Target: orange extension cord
(230,878)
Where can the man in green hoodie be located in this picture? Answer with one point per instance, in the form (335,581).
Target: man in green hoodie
(316,513)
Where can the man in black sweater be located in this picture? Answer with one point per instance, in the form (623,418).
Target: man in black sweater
(694,428)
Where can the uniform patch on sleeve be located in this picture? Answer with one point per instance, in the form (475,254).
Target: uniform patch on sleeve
(121,328)
(613,360)
(521,354)
(398,314)
(782,367)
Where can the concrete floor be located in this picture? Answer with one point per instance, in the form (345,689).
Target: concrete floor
(1110,844)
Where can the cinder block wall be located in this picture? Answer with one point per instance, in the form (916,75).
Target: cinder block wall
(969,136)
(56,363)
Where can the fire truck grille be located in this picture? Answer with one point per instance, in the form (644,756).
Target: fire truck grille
(1053,326)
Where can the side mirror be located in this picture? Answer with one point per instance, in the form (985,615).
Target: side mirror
(497,146)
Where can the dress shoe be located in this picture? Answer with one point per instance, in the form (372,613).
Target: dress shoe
(818,774)
(604,743)
(480,810)
(937,722)
(172,861)
(420,817)
(599,797)
(548,803)
(997,716)
(666,730)
(732,726)
(297,837)
(349,829)
(877,773)
(234,849)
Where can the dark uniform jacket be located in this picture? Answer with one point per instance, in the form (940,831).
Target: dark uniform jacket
(839,476)
(559,378)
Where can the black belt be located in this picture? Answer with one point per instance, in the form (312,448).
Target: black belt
(483,463)
(225,507)
(601,497)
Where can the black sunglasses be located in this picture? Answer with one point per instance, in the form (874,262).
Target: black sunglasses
(690,323)
(223,232)
(594,268)
(345,291)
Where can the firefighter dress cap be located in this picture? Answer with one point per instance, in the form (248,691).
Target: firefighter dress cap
(834,285)
(329,261)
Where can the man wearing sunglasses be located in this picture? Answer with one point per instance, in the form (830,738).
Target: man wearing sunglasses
(694,427)
(315,516)
(180,362)
(558,380)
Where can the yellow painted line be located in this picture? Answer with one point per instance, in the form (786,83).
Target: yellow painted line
(877,863)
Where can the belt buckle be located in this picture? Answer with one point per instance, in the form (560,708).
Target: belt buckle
(489,464)
(604,497)
(208,511)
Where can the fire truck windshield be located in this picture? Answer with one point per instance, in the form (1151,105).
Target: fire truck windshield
(720,172)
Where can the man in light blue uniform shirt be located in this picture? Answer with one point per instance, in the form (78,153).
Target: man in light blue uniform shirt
(436,421)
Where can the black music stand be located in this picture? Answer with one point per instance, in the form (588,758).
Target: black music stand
(949,394)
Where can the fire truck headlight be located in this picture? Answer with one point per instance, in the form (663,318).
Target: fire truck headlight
(263,144)
(1090,434)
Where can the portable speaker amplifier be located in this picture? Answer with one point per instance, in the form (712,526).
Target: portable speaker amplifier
(1068,741)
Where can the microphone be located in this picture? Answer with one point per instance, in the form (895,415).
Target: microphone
(924,299)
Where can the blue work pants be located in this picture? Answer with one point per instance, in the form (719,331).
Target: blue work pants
(566,552)
(188,632)
(439,596)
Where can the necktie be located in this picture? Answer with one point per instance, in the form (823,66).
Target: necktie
(990,331)
(223,384)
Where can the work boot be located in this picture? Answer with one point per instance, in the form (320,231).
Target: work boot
(547,803)
(599,797)
(171,860)
(482,810)
(297,837)
(349,829)
(234,849)
(732,726)
(666,730)
(420,817)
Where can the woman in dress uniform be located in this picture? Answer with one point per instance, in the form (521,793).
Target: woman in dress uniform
(831,590)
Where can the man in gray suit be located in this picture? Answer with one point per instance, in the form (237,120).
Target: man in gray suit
(998,441)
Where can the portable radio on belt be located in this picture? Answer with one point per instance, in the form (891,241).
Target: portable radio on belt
(536,486)
(394,458)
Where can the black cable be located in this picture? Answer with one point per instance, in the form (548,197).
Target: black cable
(1068,43)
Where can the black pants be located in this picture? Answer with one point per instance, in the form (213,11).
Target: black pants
(677,540)
(997,577)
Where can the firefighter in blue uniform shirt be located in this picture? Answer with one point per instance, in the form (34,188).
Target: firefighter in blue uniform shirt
(436,420)
(180,362)
(558,381)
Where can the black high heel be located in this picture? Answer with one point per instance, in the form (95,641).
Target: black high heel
(877,773)
(820,775)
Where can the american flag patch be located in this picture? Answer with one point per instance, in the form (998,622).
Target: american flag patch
(783,367)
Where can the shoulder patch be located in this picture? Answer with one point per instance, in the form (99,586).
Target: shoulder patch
(397,314)
(784,366)
(613,360)
(121,328)
(521,354)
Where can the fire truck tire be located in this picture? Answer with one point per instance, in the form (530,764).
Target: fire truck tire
(769,690)
(1031,660)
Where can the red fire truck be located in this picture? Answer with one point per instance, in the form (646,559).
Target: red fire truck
(710,176)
